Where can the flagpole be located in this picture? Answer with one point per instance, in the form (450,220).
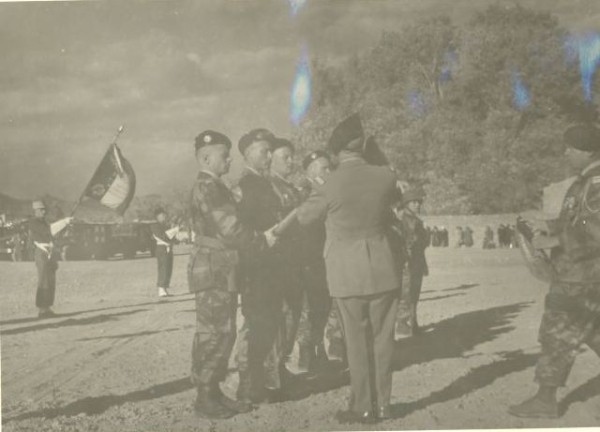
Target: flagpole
(114,142)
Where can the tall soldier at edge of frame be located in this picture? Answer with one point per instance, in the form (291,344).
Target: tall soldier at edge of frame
(572,307)
(211,273)
(362,271)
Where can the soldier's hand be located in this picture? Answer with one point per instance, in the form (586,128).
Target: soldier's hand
(270,237)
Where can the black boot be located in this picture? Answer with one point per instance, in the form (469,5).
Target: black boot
(207,407)
(239,406)
(542,405)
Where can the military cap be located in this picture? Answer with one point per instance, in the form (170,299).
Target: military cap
(413,194)
(38,205)
(277,143)
(584,137)
(347,131)
(313,156)
(210,137)
(254,135)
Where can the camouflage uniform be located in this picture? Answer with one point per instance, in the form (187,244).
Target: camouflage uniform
(218,234)
(571,315)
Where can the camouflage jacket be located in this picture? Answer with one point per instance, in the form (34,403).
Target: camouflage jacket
(577,258)
(219,234)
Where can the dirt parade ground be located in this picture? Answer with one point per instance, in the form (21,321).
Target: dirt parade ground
(117,359)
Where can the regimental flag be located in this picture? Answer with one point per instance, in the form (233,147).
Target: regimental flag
(113,183)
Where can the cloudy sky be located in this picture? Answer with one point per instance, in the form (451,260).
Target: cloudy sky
(72,72)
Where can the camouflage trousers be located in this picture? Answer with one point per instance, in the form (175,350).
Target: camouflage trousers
(567,323)
(412,283)
(215,335)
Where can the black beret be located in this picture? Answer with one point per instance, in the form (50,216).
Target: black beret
(281,142)
(313,156)
(253,136)
(347,131)
(584,137)
(210,137)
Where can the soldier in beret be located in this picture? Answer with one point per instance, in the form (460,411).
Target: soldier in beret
(287,259)
(416,240)
(312,355)
(262,297)
(572,308)
(219,235)
(362,273)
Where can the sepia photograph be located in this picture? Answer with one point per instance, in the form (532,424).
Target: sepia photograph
(299,215)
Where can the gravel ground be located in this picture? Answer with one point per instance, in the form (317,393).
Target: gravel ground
(118,360)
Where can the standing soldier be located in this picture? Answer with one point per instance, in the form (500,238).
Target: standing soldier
(46,256)
(262,297)
(287,260)
(164,238)
(218,236)
(416,241)
(362,274)
(318,301)
(572,308)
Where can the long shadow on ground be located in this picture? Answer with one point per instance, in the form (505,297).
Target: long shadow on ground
(97,319)
(450,338)
(98,405)
(70,314)
(582,393)
(462,287)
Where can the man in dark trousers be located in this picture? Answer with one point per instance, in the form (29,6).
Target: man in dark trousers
(572,307)
(164,238)
(362,275)
(46,255)
(262,296)
(219,236)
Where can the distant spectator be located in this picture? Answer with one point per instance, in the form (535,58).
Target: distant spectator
(468,236)
(488,238)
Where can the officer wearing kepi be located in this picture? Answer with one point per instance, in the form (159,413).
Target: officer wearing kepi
(572,308)
(262,298)
(362,274)
(219,235)
(46,256)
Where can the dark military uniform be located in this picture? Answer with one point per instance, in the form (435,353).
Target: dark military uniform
(164,254)
(416,241)
(218,234)
(288,266)
(46,261)
(262,297)
(571,315)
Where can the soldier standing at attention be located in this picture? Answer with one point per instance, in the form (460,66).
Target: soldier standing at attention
(287,257)
(164,251)
(362,274)
(416,241)
(46,256)
(262,296)
(572,308)
(218,237)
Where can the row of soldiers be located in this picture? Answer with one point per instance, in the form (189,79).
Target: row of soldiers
(288,276)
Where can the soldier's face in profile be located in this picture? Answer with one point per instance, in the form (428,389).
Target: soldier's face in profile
(414,206)
(220,160)
(39,212)
(258,156)
(319,169)
(282,162)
